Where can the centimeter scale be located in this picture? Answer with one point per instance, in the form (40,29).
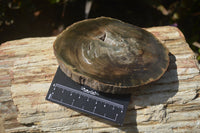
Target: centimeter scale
(66,92)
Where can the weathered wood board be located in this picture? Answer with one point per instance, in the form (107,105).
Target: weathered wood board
(27,67)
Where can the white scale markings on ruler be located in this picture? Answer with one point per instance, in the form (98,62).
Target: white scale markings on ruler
(88,96)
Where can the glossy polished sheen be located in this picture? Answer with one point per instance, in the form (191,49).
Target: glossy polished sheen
(110,55)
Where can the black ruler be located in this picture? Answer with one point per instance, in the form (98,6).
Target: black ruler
(66,92)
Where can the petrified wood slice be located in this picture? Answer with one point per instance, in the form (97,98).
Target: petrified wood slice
(110,55)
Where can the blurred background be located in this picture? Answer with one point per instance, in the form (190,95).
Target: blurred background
(40,18)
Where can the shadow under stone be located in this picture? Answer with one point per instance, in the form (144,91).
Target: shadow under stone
(156,93)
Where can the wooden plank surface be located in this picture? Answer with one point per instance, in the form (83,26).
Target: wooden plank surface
(27,67)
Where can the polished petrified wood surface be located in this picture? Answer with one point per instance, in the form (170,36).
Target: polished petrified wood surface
(27,67)
(110,55)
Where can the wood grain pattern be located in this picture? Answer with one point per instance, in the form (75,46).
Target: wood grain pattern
(109,55)
(27,67)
